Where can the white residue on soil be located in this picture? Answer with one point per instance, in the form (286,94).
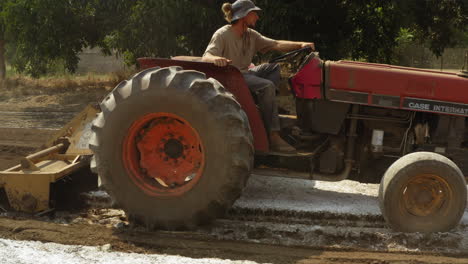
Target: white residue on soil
(25,252)
(286,194)
(344,197)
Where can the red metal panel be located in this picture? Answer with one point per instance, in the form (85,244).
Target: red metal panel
(390,80)
(231,79)
(306,83)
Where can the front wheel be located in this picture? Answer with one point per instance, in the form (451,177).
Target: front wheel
(423,192)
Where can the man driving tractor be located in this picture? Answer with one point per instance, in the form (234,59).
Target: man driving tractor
(236,44)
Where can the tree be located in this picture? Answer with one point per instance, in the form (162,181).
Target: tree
(163,28)
(2,43)
(181,27)
(365,29)
(320,21)
(375,28)
(2,56)
(43,32)
(439,21)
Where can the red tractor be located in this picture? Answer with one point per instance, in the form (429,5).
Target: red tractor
(175,144)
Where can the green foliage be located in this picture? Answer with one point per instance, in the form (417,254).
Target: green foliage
(375,25)
(2,42)
(320,21)
(463,38)
(41,32)
(163,28)
(368,30)
(439,21)
(404,41)
(42,35)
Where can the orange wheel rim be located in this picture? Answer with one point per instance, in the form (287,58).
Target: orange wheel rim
(163,154)
(425,195)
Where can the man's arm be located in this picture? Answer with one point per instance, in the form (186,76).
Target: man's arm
(285,45)
(217,60)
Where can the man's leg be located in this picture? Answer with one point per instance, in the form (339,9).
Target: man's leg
(269,71)
(265,91)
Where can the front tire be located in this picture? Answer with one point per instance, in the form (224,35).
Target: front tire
(173,148)
(423,192)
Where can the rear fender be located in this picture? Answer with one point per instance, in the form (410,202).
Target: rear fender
(231,78)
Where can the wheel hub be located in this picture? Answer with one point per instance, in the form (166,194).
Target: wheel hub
(164,154)
(173,148)
(425,194)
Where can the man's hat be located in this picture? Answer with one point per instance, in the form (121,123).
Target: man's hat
(241,8)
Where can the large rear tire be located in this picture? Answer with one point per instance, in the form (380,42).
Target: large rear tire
(173,148)
(423,192)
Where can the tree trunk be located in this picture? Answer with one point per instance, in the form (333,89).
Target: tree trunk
(2,60)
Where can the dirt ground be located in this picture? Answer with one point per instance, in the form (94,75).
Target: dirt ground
(18,142)
(28,120)
(196,245)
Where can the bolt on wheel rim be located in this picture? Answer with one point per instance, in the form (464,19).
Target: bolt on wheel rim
(163,154)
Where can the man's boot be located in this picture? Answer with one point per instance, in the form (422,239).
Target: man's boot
(277,144)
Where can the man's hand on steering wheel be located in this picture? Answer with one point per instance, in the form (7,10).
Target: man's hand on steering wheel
(297,58)
(308,44)
(307,48)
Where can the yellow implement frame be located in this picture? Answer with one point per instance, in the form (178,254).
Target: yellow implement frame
(27,185)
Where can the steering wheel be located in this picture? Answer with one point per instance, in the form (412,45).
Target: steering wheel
(297,58)
(291,55)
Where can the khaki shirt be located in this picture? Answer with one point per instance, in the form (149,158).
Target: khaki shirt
(225,43)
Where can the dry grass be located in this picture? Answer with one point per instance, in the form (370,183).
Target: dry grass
(24,85)
(69,93)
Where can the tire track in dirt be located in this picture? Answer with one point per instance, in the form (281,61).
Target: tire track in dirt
(35,120)
(196,245)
